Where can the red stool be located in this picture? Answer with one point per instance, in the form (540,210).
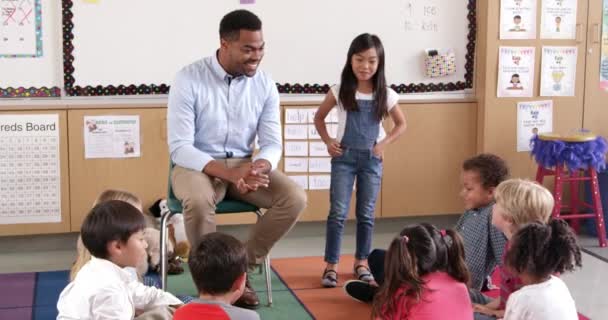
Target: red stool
(550,150)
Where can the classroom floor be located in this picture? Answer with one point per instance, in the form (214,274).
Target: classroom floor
(56,252)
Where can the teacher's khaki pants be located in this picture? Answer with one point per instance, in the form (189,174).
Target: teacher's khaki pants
(200,193)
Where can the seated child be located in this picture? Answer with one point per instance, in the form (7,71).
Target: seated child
(219,269)
(483,243)
(83,255)
(103,289)
(537,252)
(518,202)
(426,277)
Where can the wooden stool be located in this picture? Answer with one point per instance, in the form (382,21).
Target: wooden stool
(571,159)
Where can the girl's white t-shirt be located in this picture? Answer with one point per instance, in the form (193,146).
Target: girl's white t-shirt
(391,100)
(549,300)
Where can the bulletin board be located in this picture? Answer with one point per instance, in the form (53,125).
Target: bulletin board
(132,47)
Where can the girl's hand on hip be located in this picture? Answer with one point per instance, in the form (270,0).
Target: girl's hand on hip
(333,148)
(379,150)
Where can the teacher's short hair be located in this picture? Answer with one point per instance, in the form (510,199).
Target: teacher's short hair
(237,20)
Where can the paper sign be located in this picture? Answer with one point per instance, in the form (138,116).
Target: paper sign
(111,137)
(296,131)
(518,19)
(296,148)
(558,20)
(515,72)
(296,115)
(319,182)
(319,165)
(302,181)
(312,132)
(311,115)
(20,28)
(533,118)
(296,164)
(318,149)
(558,71)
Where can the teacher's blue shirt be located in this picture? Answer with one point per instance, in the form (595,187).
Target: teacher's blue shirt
(212,115)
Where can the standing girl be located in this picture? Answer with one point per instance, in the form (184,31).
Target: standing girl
(363,101)
(538,251)
(425,277)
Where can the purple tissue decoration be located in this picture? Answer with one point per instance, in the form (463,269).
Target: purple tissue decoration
(574,155)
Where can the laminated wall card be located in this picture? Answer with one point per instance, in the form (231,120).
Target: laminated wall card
(518,19)
(558,71)
(558,19)
(515,71)
(533,118)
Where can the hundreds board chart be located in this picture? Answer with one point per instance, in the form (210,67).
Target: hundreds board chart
(30,186)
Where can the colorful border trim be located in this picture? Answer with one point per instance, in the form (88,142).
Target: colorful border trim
(31,92)
(296,88)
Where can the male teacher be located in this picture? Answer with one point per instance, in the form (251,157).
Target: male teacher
(217,105)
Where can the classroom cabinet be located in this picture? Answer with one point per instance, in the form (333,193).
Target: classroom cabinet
(422,168)
(145,176)
(595,115)
(497,130)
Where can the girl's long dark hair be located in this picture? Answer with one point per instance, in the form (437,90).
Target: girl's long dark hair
(418,250)
(542,249)
(348,85)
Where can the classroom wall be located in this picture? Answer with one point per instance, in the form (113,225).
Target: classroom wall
(497,125)
(421,170)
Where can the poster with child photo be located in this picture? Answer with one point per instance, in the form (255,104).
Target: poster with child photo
(558,71)
(518,19)
(533,117)
(515,72)
(558,19)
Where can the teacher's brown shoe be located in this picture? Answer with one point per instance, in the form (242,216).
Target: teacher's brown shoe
(249,299)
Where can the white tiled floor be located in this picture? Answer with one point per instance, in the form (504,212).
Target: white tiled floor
(589,286)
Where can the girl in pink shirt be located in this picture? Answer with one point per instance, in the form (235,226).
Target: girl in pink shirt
(425,277)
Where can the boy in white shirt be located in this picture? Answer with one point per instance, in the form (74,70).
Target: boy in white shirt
(105,288)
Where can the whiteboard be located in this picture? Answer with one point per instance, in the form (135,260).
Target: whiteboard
(143,43)
(37,76)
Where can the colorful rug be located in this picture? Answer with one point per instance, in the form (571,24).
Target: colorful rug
(25,296)
(296,288)
(33,296)
(285,304)
(303,277)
